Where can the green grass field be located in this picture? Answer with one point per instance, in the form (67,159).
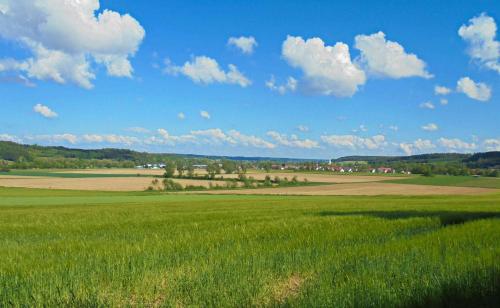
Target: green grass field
(66,248)
(444,180)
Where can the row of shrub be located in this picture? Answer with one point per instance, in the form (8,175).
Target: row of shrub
(247,182)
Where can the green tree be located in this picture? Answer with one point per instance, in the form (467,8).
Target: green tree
(169,169)
(228,166)
(267,181)
(180,166)
(213,169)
(190,170)
(243,168)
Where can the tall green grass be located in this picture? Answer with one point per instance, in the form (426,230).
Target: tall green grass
(136,249)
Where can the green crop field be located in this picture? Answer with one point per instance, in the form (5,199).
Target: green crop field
(444,180)
(70,248)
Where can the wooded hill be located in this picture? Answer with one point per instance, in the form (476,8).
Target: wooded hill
(477,160)
(36,156)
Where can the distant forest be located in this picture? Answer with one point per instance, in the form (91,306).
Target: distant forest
(21,156)
(477,160)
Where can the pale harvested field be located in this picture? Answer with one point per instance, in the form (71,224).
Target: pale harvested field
(104,184)
(320,178)
(348,185)
(115,171)
(366,189)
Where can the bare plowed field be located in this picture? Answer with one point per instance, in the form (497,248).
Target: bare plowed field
(368,189)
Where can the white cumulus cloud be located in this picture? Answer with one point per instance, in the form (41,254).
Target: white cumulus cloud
(431,127)
(244,43)
(441,90)
(328,70)
(166,138)
(44,111)
(386,58)
(456,144)
(303,128)
(492,144)
(355,142)
(480,35)
(8,137)
(417,146)
(206,70)
(64,36)
(138,129)
(289,86)
(292,141)
(250,140)
(475,90)
(427,105)
(56,138)
(204,114)
(110,138)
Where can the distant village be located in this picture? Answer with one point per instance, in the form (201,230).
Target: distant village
(328,166)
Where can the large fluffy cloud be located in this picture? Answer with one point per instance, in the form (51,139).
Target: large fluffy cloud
(386,58)
(216,136)
(417,146)
(456,144)
(64,36)
(328,70)
(355,142)
(480,35)
(475,90)
(250,140)
(56,138)
(211,136)
(110,138)
(206,70)
(293,141)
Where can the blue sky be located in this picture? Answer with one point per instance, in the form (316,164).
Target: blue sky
(312,79)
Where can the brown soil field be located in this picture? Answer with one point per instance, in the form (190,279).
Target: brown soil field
(104,184)
(362,189)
